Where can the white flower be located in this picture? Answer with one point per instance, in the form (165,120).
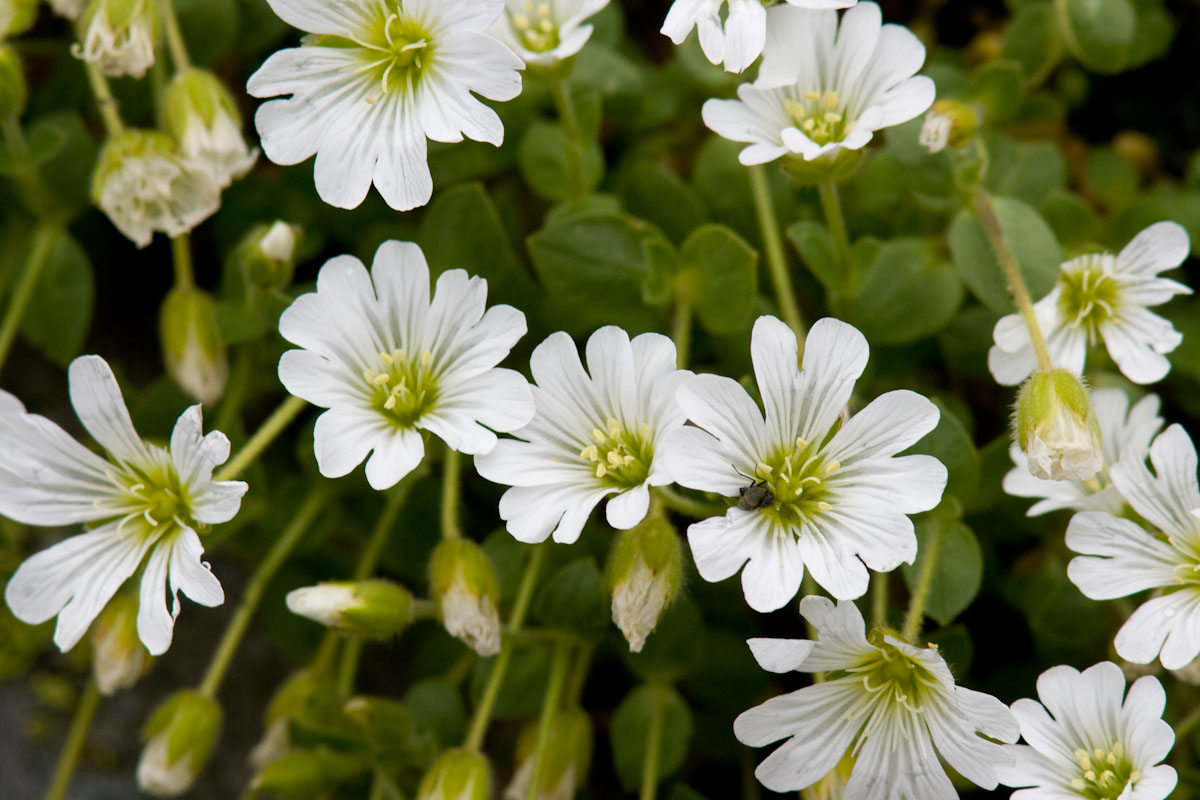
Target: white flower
(201,115)
(1120,558)
(1056,427)
(146,503)
(935,133)
(824,88)
(1125,434)
(893,706)
(592,436)
(118,36)
(837,493)
(1095,742)
(544,32)
(143,185)
(740,40)
(388,362)
(1101,296)
(378,79)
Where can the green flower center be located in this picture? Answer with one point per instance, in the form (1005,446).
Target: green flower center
(820,115)
(535,27)
(154,494)
(1104,774)
(798,477)
(1088,295)
(405,388)
(893,675)
(620,458)
(398,50)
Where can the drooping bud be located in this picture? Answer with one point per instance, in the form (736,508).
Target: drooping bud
(13,91)
(200,114)
(459,774)
(67,8)
(307,774)
(118,36)
(266,255)
(1056,428)
(180,736)
(288,701)
(948,123)
(565,761)
(16,17)
(192,348)
(143,186)
(645,568)
(119,658)
(467,593)
(373,608)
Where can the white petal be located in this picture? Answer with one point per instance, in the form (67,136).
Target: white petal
(835,355)
(342,438)
(628,508)
(1162,246)
(397,453)
(720,545)
(535,513)
(1156,621)
(780,655)
(1130,560)
(97,400)
(156,622)
(774,572)
(192,576)
(1167,500)
(890,423)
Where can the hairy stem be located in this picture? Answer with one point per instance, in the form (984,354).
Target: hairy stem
(261,439)
(916,606)
(68,757)
(451,470)
(831,206)
(777,266)
(564,105)
(550,703)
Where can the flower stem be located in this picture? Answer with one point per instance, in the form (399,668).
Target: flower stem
(483,711)
(785,295)
(1012,275)
(653,748)
(254,591)
(106,104)
(879,599)
(24,172)
(261,439)
(373,549)
(85,712)
(681,325)
(564,105)
(550,703)
(175,43)
(181,256)
(39,254)
(831,206)
(579,673)
(348,667)
(451,470)
(916,606)
(235,389)
(698,509)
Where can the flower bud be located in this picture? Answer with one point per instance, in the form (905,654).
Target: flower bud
(459,774)
(67,8)
(119,658)
(307,774)
(180,736)
(16,17)
(200,114)
(143,186)
(371,608)
(948,123)
(467,593)
(13,90)
(644,572)
(1056,427)
(118,36)
(288,701)
(266,255)
(192,348)
(565,761)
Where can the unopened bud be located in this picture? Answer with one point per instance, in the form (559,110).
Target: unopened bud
(373,608)
(288,701)
(16,17)
(644,572)
(13,90)
(118,36)
(266,255)
(180,736)
(192,349)
(948,123)
(200,114)
(564,763)
(459,774)
(303,775)
(67,8)
(467,593)
(119,658)
(1056,427)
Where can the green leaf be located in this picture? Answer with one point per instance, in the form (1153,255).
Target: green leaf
(59,313)
(65,168)
(573,598)
(1111,177)
(437,706)
(722,272)
(210,27)
(1035,170)
(1028,236)
(618,79)
(655,193)
(543,160)
(1070,217)
(1000,87)
(905,274)
(951,444)
(1097,32)
(958,573)
(814,243)
(524,684)
(631,723)
(1152,40)
(675,648)
(1032,41)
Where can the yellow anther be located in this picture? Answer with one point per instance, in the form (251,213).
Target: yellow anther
(830,100)
(614,458)
(1090,775)
(591,453)
(1078,784)
(380,379)
(821,504)
(399,355)
(1106,776)
(809,124)
(390,403)
(554,459)
(546,25)
(614,428)
(814,96)
(520,22)
(599,436)
(1135,776)
(801,443)
(627,460)
(369,376)
(764,468)
(832,467)
(832,117)
(644,431)
(1118,749)
(1097,752)
(601,470)
(386,358)
(426,357)
(1112,759)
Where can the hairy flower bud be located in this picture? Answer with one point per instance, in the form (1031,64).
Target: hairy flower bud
(565,761)
(1056,428)
(371,608)
(16,17)
(119,658)
(459,774)
(266,255)
(644,572)
(180,736)
(467,593)
(118,36)
(200,114)
(948,123)
(13,90)
(192,348)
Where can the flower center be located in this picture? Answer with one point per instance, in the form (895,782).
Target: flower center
(1089,293)
(893,676)
(398,50)
(820,115)
(798,479)
(620,458)
(152,493)
(405,388)
(535,27)
(1104,774)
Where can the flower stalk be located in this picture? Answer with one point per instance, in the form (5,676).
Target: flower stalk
(916,606)
(39,254)
(550,702)
(451,489)
(781,280)
(106,104)
(831,207)
(174,35)
(64,770)
(653,749)
(564,106)
(262,438)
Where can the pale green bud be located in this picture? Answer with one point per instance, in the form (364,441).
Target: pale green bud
(459,774)
(180,736)
(565,761)
(645,568)
(948,123)
(119,658)
(192,348)
(288,701)
(467,593)
(13,90)
(839,165)
(266,255)
(200,114)
(16,17)
(372,608)
(118,36)
(1056,428)
(307,774)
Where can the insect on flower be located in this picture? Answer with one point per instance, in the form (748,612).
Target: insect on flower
(755,496)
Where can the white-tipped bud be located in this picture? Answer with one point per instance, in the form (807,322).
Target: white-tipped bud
(948,123)
(565,761)
(180,737)
(1056,428)
(118,36)
(644,572)
(371,608)
(266,255)
(467,593)
(459,774)
(119,658)
(192,348)
(200,114)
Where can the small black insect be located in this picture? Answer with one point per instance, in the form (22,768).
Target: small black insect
(755,496)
